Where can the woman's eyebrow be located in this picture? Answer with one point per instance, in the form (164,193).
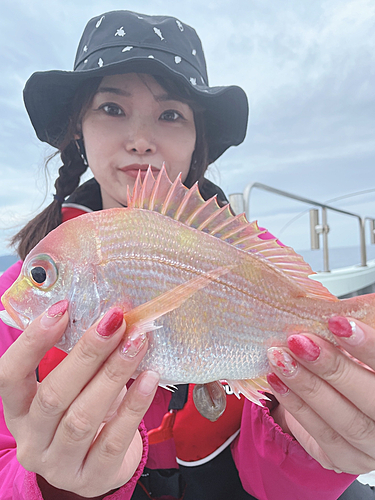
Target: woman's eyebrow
(113,90)
(122,92)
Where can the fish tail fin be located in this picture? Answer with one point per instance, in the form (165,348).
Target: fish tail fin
(250,389)
(143,316)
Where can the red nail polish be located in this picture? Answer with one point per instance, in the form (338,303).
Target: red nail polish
(58,309)
(111,322)
(277,384)
(340,326)
(54,313)
(303,347)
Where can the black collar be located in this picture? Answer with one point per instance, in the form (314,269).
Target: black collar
(88,194)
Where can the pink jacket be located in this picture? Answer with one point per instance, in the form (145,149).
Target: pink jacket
(271,464)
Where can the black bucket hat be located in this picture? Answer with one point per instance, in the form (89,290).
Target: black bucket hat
(127,42)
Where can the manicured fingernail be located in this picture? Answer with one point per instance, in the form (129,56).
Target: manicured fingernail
(282,361)
(340,326)
(303,347)
(133,345)
(348,331)
(54,313)
(276,384)
(110,322)
(148,382)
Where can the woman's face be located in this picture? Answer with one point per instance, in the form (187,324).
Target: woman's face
(130,124)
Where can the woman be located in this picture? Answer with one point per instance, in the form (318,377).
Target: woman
(139,95)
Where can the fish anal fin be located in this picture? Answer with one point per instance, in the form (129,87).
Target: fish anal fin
(250,389)
(148,312)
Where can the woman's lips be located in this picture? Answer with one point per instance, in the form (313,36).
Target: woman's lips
(132,170)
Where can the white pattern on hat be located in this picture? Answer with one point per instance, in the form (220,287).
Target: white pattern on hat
(85,61)
(177,59)
(100,62)
(99,22)
(151,57)
(85,48)
(120,32)
(179,24)
(194,52)
(126,49)
(159,33)
(193,81)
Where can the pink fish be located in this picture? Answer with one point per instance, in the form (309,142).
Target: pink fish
(212,295)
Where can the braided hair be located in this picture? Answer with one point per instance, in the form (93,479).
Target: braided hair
(73,167)
(69,176)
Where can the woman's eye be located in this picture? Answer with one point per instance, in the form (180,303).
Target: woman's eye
(170,115)
(112,109)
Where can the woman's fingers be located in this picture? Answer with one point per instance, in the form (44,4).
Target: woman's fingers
(319,384)
(19,362)
(62,386)
(330,429)
(81,421)
(323,443)
(330,395)
(116,437)
(356,338)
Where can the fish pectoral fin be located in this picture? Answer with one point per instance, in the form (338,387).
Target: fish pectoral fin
(250,389)
(144,314)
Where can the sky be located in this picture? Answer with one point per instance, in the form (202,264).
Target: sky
(308,69)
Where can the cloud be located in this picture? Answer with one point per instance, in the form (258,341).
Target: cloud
(307,67)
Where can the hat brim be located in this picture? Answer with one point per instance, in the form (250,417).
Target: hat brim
(48,98)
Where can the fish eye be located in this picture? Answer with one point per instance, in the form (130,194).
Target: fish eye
(42,271)
(38,274)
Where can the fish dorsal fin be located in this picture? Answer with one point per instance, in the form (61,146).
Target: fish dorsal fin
(187,206)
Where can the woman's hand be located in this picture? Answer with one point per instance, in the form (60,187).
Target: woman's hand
(328,397)
(77,429)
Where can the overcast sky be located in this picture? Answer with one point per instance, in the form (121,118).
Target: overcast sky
(308,70)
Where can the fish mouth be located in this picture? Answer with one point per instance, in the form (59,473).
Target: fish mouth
(8,320)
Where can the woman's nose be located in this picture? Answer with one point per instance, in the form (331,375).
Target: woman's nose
(141,140)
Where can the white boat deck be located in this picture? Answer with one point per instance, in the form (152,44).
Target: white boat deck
(347,280)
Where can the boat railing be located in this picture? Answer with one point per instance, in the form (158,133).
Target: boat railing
(240,202)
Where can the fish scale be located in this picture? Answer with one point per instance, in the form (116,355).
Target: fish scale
(211,293)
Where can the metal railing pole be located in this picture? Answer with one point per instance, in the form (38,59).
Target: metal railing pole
(325,230)
(362,236)
(324,207)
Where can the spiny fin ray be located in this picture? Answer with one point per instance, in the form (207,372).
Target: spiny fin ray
(250,389)
(187,206)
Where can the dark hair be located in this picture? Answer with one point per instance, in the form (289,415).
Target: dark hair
(73,165)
